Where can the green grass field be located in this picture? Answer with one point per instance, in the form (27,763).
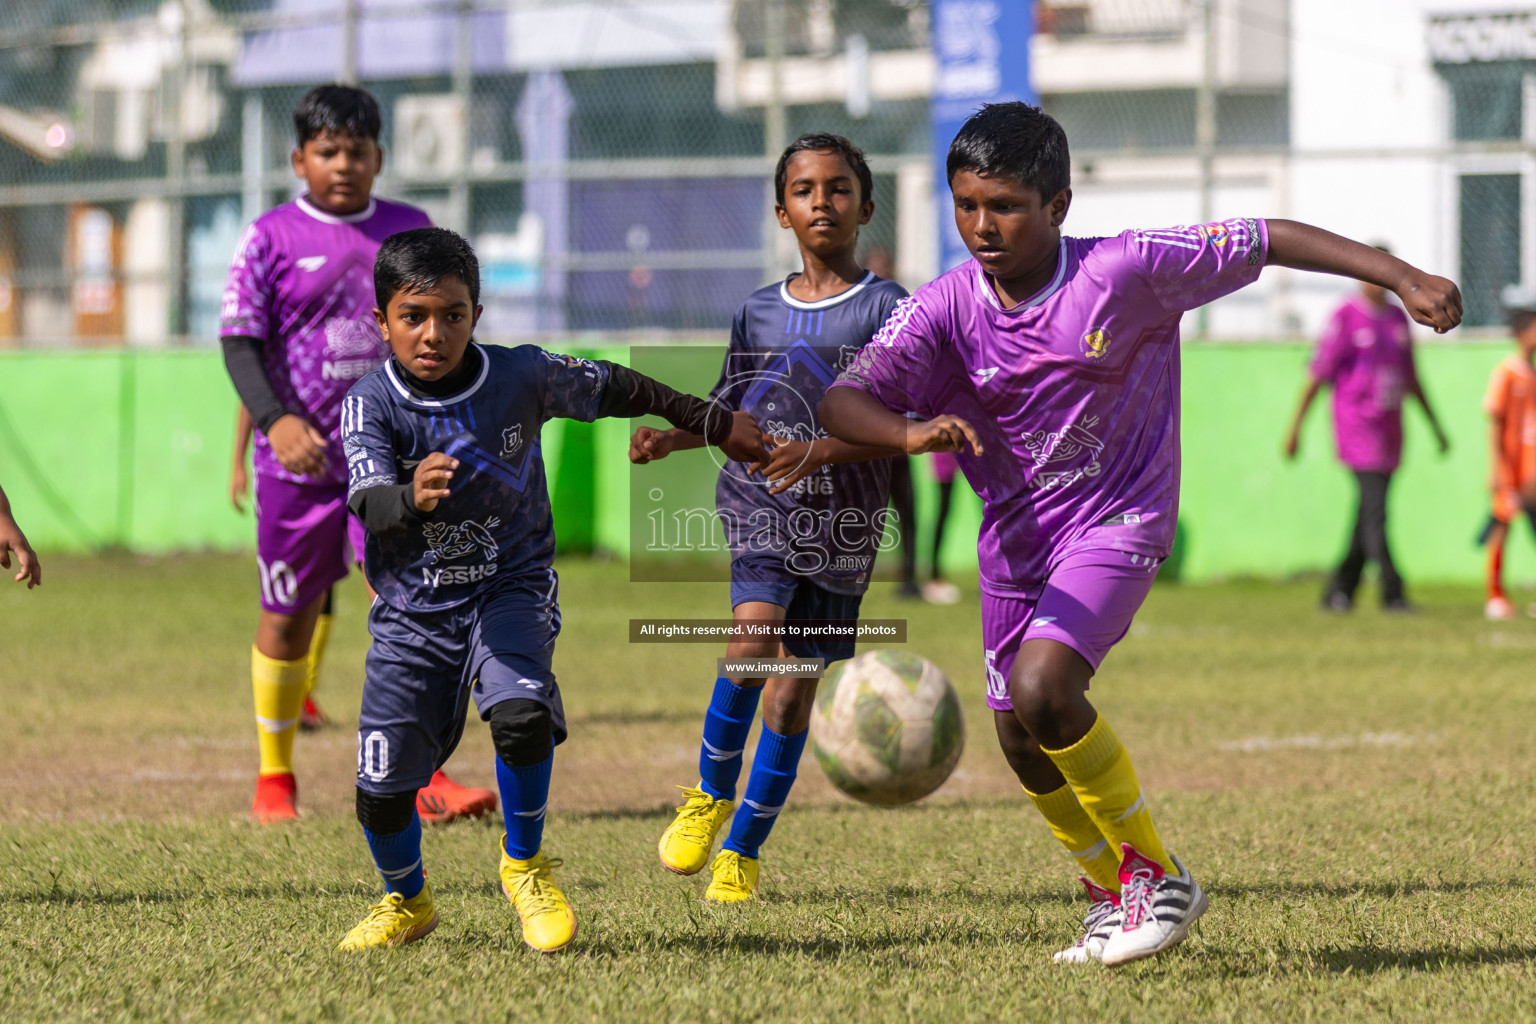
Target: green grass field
(1355,793)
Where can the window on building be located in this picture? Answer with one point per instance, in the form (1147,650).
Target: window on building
(1490,243)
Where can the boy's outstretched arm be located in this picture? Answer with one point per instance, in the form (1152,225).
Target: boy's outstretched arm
(648,444)
(12,539)
(792,461)
(630,394)
(858,418)
(1432,301)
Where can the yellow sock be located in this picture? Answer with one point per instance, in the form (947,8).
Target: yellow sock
(1082,838)
(279,690)
(316,652)
(1099,771)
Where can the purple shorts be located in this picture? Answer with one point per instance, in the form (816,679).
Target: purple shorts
(306,540)
(1087,603)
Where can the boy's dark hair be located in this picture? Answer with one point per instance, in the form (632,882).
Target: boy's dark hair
(1014,141)
(339,109)
(418,259)
(825,142)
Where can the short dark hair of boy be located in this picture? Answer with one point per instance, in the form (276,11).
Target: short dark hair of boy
(338,109)
(418,259)
(826,142)
(1014,141)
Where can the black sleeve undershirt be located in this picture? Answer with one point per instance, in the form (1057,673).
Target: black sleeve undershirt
(242,358)
(391,508)
(632,394)
(386,509)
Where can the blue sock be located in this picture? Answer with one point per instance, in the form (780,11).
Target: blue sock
(731,711)
(773,774)
(398,856)
(524,795)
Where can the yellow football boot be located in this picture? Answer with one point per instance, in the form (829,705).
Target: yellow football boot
(394,921)
(735,878)
(549,924)
(687,842)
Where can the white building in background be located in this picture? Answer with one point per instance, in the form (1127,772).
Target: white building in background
(566,135)
(1408,122)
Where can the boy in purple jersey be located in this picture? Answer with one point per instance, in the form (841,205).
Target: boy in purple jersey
(803,539)
(1051,365)
(297,330)
(1366,355)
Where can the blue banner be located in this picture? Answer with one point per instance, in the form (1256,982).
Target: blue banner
(981,55)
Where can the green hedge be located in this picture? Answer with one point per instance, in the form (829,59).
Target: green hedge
(131,449)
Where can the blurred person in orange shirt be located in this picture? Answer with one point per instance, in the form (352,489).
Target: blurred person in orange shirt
(1511,408)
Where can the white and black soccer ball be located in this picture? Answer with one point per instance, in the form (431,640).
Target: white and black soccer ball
(887,727)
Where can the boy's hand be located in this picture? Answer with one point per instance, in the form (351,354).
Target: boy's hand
(648,444)
(940,434)
(746,442)
(239,486)
(431,480)
(1432,301)
(789,462)
(298,445)
(1292,444)
(12,539)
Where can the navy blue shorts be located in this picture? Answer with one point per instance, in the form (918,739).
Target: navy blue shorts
(424,668)
(767,579)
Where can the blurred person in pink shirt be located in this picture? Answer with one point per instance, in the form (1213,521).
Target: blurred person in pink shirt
(1366,356)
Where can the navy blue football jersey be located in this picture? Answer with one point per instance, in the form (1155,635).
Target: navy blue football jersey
(783,355)
(496,524)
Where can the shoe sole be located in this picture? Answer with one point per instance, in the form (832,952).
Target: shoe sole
(449,815)
(419,933)
(272,819)
(1174,937)
(575,928)
(661,852)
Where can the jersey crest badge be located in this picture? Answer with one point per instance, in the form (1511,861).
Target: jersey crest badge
(511,441)
(310,263)
(1096,343)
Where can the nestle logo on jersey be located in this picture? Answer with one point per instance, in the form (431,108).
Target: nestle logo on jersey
(458,574)
(449,541)
(356,348)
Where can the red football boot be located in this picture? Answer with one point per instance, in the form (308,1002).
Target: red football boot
(277,798)
(443,800)
(311,717)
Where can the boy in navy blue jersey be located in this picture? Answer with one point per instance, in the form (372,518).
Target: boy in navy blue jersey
(804,533)
(445,471)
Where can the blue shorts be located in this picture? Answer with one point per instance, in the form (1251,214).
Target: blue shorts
(767,579)
(423,668)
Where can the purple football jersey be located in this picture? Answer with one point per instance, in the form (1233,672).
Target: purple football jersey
(302,283)
(1367,355)
(1074,392)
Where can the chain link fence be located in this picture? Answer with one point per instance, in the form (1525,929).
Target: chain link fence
(610,159)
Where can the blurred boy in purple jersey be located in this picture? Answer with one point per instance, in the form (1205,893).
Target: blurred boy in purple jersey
(804,534)
(1051,365)
(297,330)
(1366,356)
